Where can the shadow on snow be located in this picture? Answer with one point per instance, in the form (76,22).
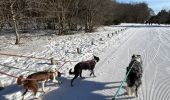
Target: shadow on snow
(82,90)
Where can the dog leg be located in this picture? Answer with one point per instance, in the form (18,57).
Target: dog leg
(129,91)
(54,79)
(43,82)
(22,97)
(35,94)
(73,80)
(81,75)
(133,89)
(136,91)
(35,90)
(92,72)
(24,94)
(57,82)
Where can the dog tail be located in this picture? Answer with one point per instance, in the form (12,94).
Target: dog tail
(20,80)
(70,72)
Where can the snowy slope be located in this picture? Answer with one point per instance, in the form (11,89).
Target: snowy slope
(153,43)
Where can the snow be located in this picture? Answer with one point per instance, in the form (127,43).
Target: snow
(152,43)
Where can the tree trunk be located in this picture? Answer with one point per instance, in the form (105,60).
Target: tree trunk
(63,22)
(15,26)
(87,22)
(59,25)
(90,22)
(16,31)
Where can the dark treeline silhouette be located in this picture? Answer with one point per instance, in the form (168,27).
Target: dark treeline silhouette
(131,13)
(163,17)
(67,16)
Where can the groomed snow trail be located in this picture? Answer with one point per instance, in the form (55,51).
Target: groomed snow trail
(152,43)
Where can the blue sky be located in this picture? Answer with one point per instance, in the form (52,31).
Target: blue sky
(156,5)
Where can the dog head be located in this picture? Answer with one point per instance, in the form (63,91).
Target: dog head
(57,73)
(20,80)
(136,58)
(133,56)
(96,58)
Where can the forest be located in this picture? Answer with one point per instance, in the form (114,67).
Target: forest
(67,16)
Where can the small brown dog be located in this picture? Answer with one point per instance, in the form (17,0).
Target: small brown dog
(31,82)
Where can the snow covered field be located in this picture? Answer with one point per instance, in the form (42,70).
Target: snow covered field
(114,50)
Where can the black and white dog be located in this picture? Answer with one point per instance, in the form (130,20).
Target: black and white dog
(134,79)
(84,65)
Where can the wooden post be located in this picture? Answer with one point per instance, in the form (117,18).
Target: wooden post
(78,51)
(101,39)
(52,61)
(108,35)
(92,43)
(112,34)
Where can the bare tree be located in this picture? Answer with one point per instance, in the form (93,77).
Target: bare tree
(66,16)
(12,11)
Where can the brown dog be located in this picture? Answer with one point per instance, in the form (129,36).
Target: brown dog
(31,82)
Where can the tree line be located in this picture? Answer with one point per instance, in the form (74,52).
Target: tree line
(163,17)
(67,16)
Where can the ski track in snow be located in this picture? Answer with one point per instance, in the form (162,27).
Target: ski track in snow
(153,43)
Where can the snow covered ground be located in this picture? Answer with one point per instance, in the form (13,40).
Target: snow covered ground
(114,50)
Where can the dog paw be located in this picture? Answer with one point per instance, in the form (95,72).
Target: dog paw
(136,95)
(54,81)
(36,97)
(71,85)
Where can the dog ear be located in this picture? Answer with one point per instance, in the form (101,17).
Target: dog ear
(133,56)
(96,58)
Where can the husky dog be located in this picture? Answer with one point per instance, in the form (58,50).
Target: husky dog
(134,79)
